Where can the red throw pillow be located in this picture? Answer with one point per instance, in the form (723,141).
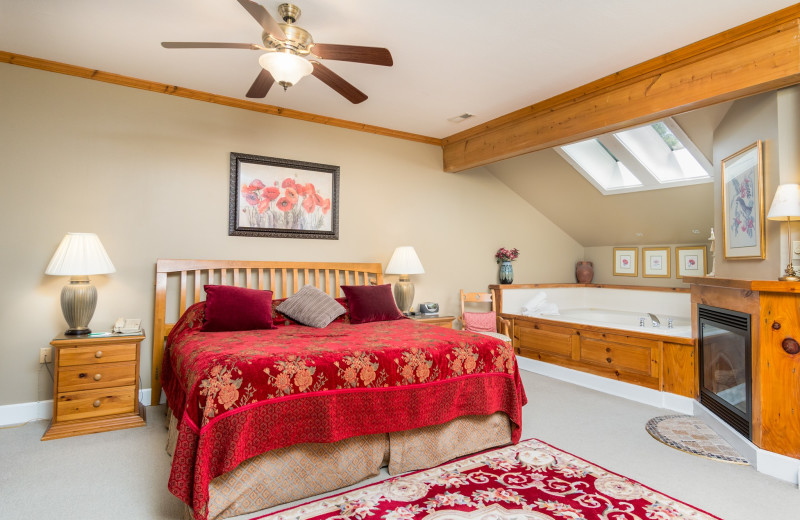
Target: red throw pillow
(237,308)
(371,303)
(480,321)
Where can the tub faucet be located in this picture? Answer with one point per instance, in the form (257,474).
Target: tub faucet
(654,320)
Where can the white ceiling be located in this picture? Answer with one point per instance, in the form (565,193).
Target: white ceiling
(450,56)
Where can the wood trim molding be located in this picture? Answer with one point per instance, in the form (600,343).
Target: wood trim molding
(197,95)
(755,57)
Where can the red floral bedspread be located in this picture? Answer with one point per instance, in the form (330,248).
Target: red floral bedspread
(239,394)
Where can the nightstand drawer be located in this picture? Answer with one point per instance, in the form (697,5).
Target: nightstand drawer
(95,403)
(100,353)
(99,375)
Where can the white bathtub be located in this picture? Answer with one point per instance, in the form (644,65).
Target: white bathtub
(614,307)
(626,320)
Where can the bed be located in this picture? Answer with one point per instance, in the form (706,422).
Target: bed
(263,417)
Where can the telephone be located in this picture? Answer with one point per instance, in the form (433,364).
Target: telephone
(127,325)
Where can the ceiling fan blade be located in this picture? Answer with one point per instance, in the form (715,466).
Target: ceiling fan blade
(261,85)
(263,17)
(370,55)
(209,45)
(337,83)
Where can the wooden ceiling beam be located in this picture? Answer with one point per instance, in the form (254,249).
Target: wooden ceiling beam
(756,57)
(199,95)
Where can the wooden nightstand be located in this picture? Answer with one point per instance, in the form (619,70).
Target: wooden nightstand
(441,321)
(95,385)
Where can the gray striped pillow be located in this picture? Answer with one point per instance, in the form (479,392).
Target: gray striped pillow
(311,307)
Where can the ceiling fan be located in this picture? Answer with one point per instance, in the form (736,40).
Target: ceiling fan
(288,49)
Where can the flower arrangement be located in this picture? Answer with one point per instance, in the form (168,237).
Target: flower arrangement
(285,205)
(506,255)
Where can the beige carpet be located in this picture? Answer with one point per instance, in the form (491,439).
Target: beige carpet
(123,475)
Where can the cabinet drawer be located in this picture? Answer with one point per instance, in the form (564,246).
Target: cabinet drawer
(85,404)
(630,358)
(101,353)
(99,375)
(549,341)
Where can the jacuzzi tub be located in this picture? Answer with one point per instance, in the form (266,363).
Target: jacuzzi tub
(625,320)
(597,330)
(615,307)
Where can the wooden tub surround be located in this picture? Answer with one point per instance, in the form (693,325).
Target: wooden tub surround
(774,309)
(645,358)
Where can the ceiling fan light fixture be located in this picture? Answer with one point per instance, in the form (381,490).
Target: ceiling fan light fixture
(286,68)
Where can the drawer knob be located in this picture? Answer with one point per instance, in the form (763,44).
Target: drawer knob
(98,377)
(608,359)
(98,354)
(96,404)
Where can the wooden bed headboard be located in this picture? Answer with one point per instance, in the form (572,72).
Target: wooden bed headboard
(179,284)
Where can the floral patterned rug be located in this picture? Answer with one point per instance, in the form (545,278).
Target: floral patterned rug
(528,481)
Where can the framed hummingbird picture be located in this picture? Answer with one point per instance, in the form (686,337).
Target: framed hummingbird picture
(743,204)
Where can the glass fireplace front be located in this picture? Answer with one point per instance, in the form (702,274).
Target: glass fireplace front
(725,374)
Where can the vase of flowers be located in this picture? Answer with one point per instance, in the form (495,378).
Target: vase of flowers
(504,257)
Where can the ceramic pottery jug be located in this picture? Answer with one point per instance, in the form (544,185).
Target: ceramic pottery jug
(584,272)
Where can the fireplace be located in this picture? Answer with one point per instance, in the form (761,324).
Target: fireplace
(725,366)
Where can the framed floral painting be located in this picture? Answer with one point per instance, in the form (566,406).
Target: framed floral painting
(691,261)
(271,197)
(743,204)
(655,262)
(626,261)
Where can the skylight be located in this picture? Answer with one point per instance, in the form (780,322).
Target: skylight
(654,156)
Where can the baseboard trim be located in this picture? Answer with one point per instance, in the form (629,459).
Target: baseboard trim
(629,391)
(766,462)
(772,464)
(13,414)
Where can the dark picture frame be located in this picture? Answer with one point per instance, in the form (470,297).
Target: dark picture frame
(282,198)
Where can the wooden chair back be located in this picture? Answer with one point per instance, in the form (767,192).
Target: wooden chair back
(179,284)
(475,297)
(503,325)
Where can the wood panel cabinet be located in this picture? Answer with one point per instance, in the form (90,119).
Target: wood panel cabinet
(632,358)
(95,385)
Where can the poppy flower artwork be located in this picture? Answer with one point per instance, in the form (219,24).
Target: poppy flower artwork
(274,197)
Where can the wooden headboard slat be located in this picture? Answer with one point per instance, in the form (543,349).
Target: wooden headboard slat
(196,286)
(326,276)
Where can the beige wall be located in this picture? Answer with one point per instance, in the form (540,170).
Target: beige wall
(149,174)
(750,120)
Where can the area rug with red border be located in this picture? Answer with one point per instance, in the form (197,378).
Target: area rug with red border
(531,480)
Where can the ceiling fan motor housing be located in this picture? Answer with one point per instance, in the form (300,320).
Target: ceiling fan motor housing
(297,39)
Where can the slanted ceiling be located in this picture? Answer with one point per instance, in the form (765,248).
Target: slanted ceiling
(657,217)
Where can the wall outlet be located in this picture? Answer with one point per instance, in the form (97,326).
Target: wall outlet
(45,355)
(795,248)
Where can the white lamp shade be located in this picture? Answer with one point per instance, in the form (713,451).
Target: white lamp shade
(287,69)
(786,204)
(80,254)
(404,261)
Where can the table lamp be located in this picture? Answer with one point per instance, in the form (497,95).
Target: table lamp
(786,206)
(404,262)
(78,256)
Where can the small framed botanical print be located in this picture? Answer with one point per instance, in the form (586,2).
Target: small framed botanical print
(655,262)
(626,261)
(691,261)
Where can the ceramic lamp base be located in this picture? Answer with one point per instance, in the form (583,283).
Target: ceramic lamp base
(78,301)
(404,294)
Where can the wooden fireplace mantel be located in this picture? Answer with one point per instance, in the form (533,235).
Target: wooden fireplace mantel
(774,309)
(774,286)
